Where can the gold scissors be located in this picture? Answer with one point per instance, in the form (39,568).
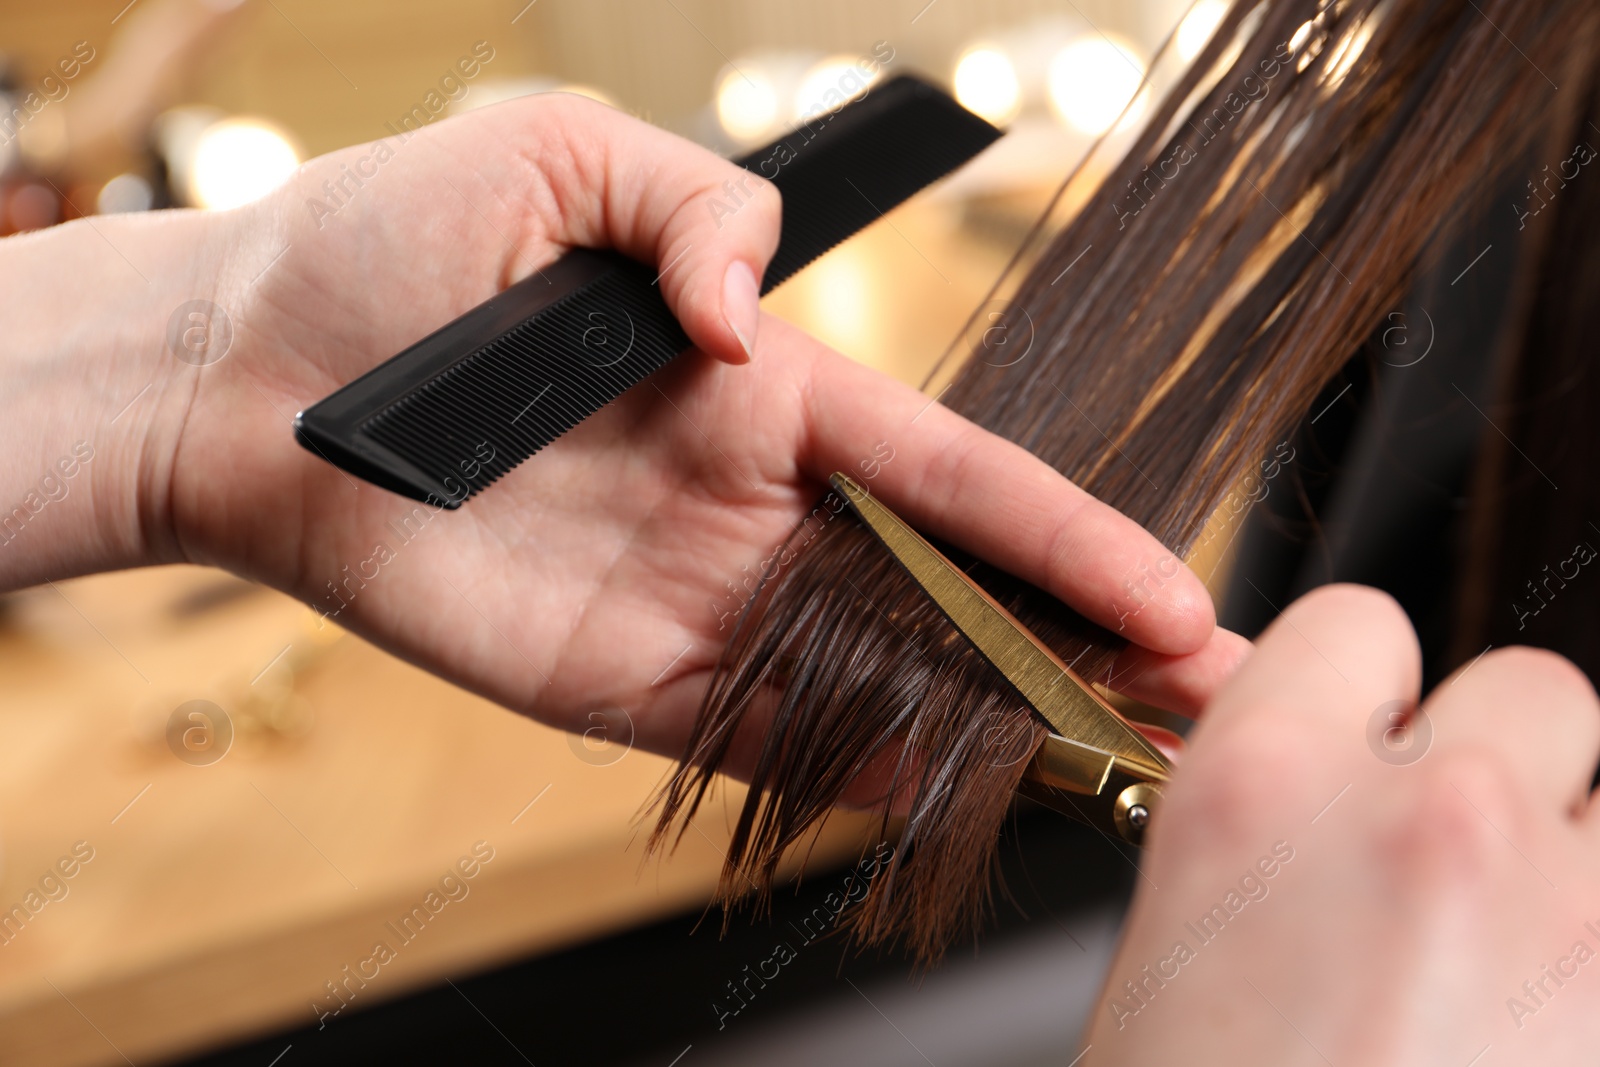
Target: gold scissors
(1093,766)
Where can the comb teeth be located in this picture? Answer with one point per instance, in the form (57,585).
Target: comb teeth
(450,415)
(483,416)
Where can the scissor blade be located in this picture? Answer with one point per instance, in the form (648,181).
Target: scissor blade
(1067,703)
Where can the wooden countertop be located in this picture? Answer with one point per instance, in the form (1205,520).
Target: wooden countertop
(221,897)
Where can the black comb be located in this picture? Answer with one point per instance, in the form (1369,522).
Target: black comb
(455,411)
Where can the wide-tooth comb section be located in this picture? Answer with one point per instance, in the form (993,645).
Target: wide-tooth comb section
(453,413)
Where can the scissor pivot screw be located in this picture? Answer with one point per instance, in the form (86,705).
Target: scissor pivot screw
(1133,808)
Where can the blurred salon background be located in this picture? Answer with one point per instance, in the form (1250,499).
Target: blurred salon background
(263,800)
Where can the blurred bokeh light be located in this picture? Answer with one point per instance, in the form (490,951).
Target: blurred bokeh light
(830,83)
(1093,79)
(747,103)
(986,82)
(1198,26)
(238,160)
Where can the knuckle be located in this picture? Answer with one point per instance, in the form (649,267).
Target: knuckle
(555,108)
(1454,823)
(765,193)
(566,102)
(1375,607)
(766,204)
(1076,522)
(1549,669)
(1242,787)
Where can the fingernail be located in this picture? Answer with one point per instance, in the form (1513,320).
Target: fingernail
(741,304)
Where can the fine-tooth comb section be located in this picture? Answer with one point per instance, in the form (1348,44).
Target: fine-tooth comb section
(453,413)
(484,415)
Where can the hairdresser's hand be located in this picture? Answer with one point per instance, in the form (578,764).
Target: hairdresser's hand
(1315,896)
(607,572)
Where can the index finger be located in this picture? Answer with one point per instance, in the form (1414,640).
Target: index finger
(951,478)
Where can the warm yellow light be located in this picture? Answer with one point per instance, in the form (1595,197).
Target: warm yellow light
(747,102)
(829,84)
(986,83)
(843,306)
(1198,26)
(239,160)
(1092,80)
(1301,35)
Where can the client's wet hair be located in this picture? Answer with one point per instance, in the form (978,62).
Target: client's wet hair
(1277,205)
